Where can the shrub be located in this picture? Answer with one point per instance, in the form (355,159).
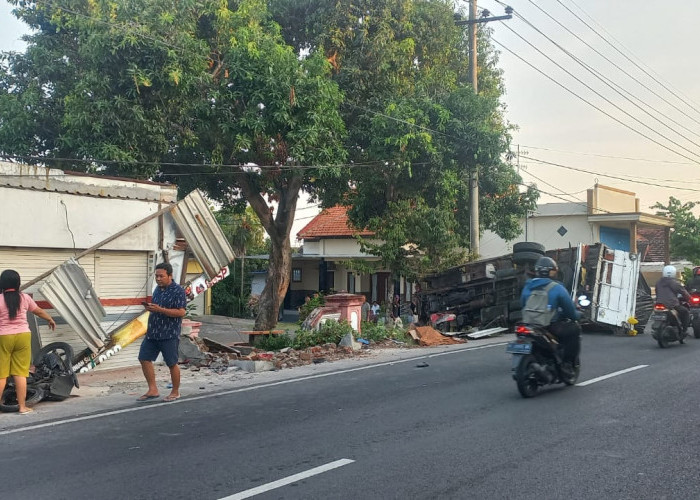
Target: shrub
(330,331)
(377,333)
(274,342)
(306,308)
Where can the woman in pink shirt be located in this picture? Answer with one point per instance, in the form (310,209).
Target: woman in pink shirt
(15,337)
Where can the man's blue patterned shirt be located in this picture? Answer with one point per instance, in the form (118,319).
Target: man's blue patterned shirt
(160,326)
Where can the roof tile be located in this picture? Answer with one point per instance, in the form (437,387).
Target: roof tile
(331,222)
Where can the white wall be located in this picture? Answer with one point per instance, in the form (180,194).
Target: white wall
(543,229)
(334,247)
(46,219)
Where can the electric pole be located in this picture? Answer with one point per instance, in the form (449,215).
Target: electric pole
(473,67)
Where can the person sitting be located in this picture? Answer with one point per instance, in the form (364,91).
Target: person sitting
(668,289)
(560,316)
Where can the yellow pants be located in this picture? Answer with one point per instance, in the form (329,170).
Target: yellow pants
(15,354)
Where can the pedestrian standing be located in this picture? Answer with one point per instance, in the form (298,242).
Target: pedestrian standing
(15,336)
(366,310)
(167,308)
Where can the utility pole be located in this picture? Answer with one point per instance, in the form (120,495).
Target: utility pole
(474,174)
(473,66)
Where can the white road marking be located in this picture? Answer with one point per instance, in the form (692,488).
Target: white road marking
(235,391)
(289,480)
(609,375)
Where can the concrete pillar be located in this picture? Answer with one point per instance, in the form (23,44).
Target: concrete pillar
(350,306)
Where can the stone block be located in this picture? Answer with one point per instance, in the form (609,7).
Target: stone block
(253,366)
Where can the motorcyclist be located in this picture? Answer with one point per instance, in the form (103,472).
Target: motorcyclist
(694,283)
(564,325)
(668,288)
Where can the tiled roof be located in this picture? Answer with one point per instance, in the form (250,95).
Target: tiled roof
(650,243)
(331,222)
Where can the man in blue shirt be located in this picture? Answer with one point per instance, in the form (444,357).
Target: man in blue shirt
(564,323)
(167,307)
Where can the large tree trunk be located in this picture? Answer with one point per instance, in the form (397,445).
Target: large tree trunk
(278,227)
(278,272)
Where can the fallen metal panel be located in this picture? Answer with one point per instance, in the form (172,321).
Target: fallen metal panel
(203,234)
(485,333)
(72,295)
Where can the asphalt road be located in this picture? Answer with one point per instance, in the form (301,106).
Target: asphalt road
(456,428)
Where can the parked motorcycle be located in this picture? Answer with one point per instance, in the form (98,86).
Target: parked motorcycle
(537,360)
(666,326)
(694,306)
(53,378)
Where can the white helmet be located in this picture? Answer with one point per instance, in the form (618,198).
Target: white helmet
(669,272)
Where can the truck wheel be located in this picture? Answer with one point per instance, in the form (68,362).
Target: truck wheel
(528,246)
(526,257)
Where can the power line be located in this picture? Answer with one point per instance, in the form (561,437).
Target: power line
(608,156)
(689,104)
(614,85)
(593,105)
(607,100)
(655,184)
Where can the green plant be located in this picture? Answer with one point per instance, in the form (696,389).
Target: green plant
(305,309)
(190,310)
(330,331)
(275,342)
(377,333)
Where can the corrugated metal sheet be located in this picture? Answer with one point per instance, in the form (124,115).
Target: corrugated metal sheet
(203,234)
(72,295)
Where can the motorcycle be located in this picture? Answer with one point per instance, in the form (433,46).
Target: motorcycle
(443,322)
(537,360)
(694,306)
(666,326)
(53,378)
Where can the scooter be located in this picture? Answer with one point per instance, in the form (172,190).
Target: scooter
(666,326)
(537,360)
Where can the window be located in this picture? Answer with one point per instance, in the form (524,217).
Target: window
(296,274)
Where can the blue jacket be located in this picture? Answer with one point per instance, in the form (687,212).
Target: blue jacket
(558,298)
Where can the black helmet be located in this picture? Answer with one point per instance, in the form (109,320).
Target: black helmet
(544,265)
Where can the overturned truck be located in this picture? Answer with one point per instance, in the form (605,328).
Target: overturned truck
(486,293)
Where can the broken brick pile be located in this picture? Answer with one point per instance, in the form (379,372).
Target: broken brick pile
(200,352)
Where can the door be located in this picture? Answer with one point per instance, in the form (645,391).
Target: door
(616,287)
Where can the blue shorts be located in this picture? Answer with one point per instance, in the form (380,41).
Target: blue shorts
(168,348)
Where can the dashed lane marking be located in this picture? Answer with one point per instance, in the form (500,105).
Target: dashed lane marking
(610,375)
(289,480)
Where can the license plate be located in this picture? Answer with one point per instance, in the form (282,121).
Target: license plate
(519,348)
(659,317)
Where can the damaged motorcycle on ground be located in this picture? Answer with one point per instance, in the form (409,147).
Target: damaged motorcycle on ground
(53,378)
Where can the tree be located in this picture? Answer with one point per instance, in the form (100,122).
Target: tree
(202,92)
(415,127)
(685,235)
(246,235)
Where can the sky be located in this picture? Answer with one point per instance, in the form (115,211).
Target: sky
(633,148)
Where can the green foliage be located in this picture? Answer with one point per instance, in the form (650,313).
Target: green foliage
(411,113)
(186,92)
(274,342)
(377,332)
(305,309)
(685,235)
(329,332)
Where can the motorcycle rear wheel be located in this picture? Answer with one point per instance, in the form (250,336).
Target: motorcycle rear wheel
(526,377)
(662,337)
